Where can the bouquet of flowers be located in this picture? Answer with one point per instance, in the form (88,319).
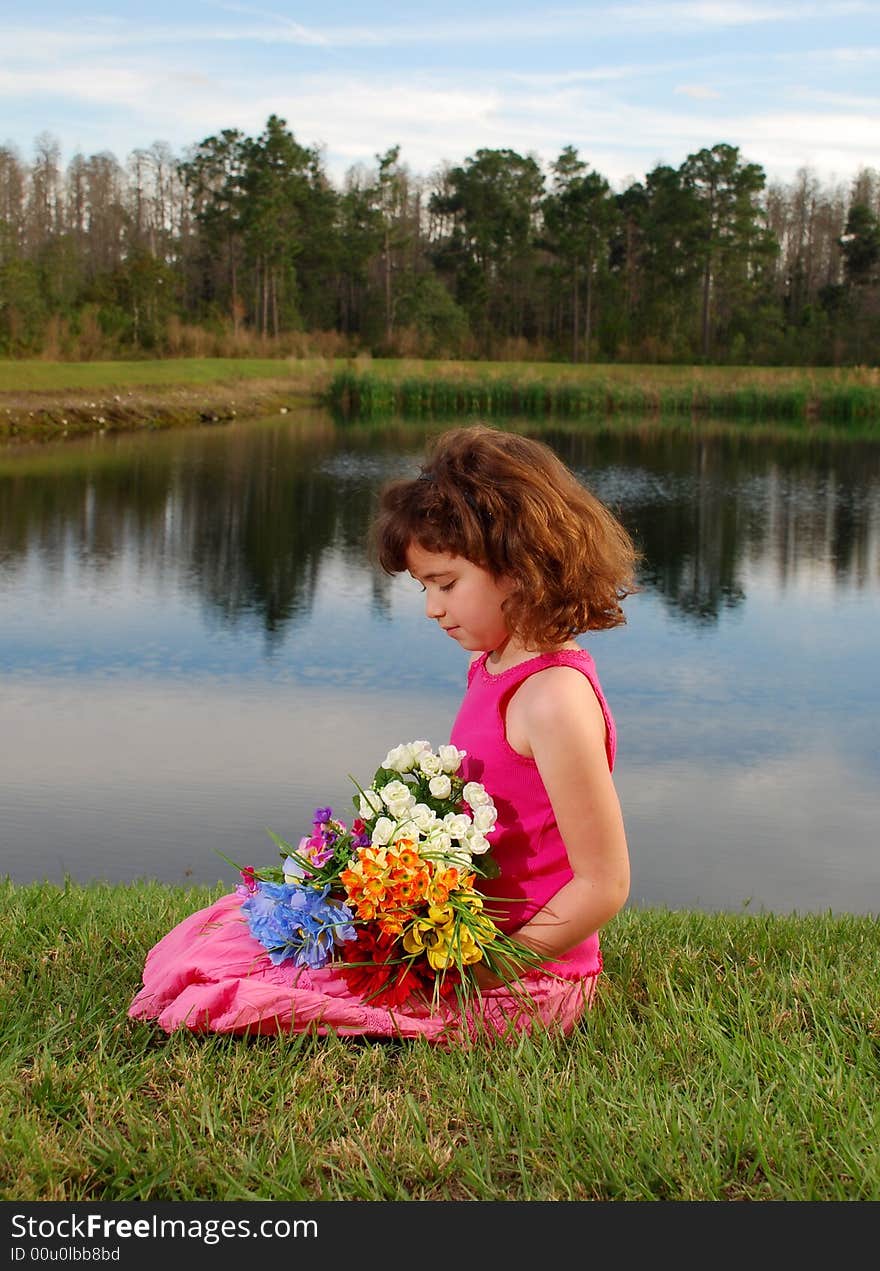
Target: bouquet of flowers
(393,898)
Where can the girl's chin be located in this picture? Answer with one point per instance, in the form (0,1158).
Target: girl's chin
(470,643)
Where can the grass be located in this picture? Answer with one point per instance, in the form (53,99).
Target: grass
(728,1057)
(42,400)
(37,376)
(45,401)
(48,401)
(740,394)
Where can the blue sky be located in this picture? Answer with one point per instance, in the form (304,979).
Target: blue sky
(630,85)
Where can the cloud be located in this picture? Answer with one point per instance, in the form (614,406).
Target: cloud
(279,22)
(437,119)
(245,24)
(118,84)
(704,14)
(112,87)
(699,91)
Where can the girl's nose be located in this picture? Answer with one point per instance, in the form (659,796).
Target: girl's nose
(433,605)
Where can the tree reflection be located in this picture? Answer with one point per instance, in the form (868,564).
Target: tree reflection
(249,516)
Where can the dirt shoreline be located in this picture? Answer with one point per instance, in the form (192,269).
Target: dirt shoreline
(56,415)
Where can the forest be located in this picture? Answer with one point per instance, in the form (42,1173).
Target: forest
(245,246)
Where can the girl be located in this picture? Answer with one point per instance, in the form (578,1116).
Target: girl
(515,558)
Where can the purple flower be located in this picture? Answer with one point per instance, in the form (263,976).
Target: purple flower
(362,834)
(322,815)
(317,850)
(248,884)
(297,922)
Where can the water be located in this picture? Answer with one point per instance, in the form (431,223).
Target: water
(193,649)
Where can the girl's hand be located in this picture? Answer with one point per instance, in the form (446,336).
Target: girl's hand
(486,979)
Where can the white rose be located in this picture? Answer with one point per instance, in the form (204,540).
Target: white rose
(395,792)
(382,831)
(457,825)
(439,843)
(475,794)
(419,746)
(430,764)
(440,787)
(405,830)
(401,811)
(400,759)
(425,818)
(370,804)
(478,843)
(450,757)
(485,818)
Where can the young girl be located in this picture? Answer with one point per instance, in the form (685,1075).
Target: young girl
(515,558)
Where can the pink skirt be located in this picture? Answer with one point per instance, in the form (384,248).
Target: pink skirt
(209,974)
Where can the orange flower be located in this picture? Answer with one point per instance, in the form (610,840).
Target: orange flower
(385,884)
(444,882)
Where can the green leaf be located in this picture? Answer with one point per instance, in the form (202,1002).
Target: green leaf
(283,847)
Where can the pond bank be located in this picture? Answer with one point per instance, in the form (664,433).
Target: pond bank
(54,415)
(46,401)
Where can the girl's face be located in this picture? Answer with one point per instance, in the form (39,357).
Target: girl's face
(463,597)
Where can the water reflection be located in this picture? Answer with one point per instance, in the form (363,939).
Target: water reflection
(193,648)
(247,515)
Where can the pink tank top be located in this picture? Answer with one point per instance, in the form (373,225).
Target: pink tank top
(527,844)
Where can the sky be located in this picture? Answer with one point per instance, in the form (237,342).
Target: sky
(793,84)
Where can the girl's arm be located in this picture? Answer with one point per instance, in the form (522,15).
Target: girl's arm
(559,719)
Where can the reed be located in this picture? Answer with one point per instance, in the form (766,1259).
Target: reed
(368,394)
(728,1057)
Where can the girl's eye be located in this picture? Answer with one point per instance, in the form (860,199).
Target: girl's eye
(448,587)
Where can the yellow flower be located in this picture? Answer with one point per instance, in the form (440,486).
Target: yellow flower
(447,937)
(441,956)
(421,936)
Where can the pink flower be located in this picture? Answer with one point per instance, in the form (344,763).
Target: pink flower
(248,881)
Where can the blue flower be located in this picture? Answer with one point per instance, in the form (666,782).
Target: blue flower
(292,921)
(290,866)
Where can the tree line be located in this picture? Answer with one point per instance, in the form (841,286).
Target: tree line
(244,244)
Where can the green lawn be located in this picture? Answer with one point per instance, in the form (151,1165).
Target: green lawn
(39,376)
(727,1057)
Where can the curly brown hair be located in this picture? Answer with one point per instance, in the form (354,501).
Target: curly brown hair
(509,504)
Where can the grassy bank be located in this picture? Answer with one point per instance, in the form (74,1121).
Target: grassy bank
(693,393)
(47,400)
(727,1057)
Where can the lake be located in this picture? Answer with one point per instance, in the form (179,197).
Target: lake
(194,649)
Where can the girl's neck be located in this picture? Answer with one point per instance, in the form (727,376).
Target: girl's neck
(511,652)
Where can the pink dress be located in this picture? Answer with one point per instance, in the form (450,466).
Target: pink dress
(209,974)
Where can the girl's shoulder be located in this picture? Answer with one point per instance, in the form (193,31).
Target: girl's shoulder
(553,687)
(560,706)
